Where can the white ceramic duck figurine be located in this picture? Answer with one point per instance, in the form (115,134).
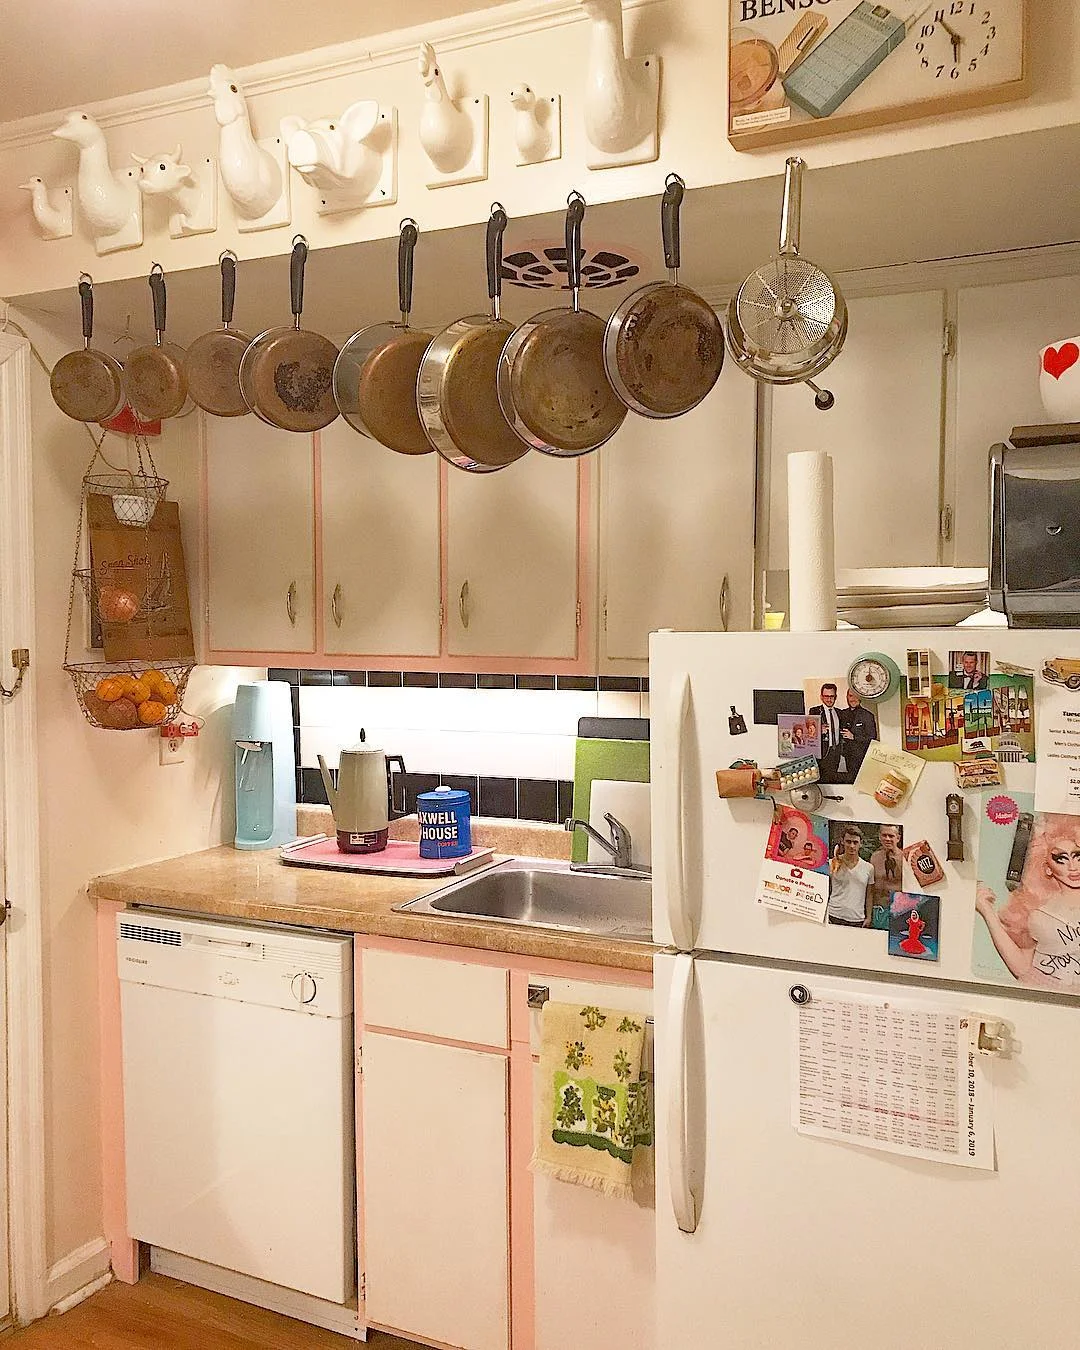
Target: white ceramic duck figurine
(107,198)
(331,153)
(164,175)
(531,137)
(251,174)
(617,110)
(446,133)
(54,223)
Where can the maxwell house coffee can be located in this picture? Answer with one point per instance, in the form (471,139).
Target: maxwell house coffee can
(445,828)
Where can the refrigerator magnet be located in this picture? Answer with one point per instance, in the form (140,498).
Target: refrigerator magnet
(874,676)
(736,723)
(887,775)
(914,926)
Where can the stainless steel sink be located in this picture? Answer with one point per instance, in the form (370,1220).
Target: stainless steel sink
(543,894)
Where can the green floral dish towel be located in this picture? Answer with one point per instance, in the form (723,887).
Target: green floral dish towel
(594,1112)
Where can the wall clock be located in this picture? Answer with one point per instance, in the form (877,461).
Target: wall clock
(804,68)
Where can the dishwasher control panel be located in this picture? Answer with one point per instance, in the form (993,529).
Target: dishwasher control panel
(280,969)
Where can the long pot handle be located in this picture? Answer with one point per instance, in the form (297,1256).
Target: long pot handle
(86,303)
(406,248)
(575,214)
(670,207)
(157,290)
(495,227)
(228,287)
(296,277)
(791,214)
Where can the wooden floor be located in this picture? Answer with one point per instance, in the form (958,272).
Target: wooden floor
(167,1315)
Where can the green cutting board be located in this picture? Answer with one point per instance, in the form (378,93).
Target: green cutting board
(623,761)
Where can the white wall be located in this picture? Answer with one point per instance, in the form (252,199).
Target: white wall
(542,43)
(105,801)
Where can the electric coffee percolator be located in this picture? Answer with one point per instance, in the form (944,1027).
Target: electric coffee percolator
(361,800)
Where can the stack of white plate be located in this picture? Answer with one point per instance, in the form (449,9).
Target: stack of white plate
(910,597)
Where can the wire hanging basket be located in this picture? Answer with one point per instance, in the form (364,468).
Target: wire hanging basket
(135,495)
(129,695)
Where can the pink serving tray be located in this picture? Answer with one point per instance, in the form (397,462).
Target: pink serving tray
(400,858)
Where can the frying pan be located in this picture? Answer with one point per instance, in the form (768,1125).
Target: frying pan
(456,387)
(154,380)
(788,320)
(552,384)
(286,372)
(664,346)
(375,375)
(212,363)
(88,384)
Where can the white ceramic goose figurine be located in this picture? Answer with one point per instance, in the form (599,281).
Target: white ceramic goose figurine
(106,198)
(251,174)
(532,139)
(445,132)
(617,111)
(52,222)
(164,175)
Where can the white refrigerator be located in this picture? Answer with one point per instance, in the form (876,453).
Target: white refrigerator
(771,1237)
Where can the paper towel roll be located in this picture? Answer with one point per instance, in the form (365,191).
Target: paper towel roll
(811,565)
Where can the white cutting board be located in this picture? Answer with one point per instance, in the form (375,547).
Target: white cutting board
(628,802)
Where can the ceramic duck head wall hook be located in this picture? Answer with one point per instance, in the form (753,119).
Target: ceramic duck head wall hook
(251,174)
(531,136)
(619,106)
(52,211)
(446,133)
(108,199)
(330,153)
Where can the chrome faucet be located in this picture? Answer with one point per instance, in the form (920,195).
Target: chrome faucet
(619,848)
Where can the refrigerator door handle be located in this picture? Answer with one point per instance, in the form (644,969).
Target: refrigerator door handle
(683,1203)
(671,813)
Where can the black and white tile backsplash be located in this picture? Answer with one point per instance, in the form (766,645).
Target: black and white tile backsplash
(507,739)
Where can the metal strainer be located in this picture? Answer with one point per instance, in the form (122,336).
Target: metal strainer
(788,320)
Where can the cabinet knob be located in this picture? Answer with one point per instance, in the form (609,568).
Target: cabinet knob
(463,603)
(290,603)
(335,605)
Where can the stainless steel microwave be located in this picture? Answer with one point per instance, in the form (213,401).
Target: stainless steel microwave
(1035,527)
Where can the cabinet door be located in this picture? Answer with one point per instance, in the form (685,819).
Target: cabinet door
(1000,332)
(260,521)
(512,560)
(435,1191)
(380,519)
(677,521)
(595,1256)
(884,435)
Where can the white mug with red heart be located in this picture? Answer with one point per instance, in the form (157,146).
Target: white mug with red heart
(1059,380)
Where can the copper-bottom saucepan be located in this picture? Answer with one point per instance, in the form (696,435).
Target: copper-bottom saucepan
(212,363)
(87,384)
(664,345)
(552,383)
(375,374)
(456,388)
(154,379)
(286,374)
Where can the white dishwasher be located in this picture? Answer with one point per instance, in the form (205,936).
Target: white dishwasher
(238,1098)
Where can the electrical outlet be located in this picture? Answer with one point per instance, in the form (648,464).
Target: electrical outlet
(171,750)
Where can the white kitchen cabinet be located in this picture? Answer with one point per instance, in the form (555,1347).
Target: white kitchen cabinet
(380,550)
(884,435)
(260,518)
(676,531)
(512,560)
(1000,331)
(435,1212)
(594,1256)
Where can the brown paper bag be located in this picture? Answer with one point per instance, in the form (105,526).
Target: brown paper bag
(140,568)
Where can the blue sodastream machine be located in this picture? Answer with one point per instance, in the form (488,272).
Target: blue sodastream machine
(265,765)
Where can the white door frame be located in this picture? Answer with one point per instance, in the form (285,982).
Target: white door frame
(20,824)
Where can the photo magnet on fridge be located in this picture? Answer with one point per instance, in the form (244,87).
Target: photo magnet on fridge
(798,736)
(848,725)
(969,670)
(794,875)
(1027,896)
(914,926)
(867,866)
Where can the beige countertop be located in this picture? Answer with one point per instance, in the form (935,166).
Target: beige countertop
(237,884)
